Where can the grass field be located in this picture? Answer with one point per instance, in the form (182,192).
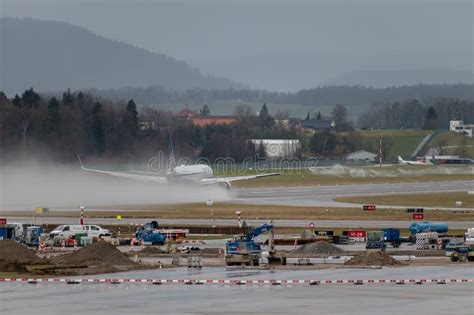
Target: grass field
(453,144)
(442,200)
(258,212)
(402,142)
(305,178)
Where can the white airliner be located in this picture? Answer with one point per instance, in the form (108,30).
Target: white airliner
(197,174)
(420,162)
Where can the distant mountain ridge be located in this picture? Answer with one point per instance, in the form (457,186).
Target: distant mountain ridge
(396,78)
(52,56)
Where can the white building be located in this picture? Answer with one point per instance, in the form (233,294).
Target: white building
(362,155)
(278,148)
(459,127)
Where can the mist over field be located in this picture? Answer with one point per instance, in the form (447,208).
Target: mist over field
(41,184)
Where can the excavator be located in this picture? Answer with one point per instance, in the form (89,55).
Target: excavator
(242,250)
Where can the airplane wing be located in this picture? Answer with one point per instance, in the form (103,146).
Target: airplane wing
(151,178)
(215,180)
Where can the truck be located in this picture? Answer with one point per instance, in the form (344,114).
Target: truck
(469,236)
(379,239)
(375,240)
(244,251)
(422,227)
(460,252)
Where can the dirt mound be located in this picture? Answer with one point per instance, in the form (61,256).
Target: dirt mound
(320,247)
(151,250)
(373,259)
(99,253)
(14,256)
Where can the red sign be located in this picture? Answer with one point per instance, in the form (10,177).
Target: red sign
(3,221)
(356,233)
(418,216)
(369,208)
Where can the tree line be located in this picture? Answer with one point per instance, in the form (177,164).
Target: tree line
(347,95)
(413,114)
(79,123)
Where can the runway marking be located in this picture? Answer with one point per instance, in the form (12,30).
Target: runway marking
(118,281)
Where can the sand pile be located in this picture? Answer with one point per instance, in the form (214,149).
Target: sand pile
(14,257)
(151,250)
(99,253)
(373,259)
(320,247)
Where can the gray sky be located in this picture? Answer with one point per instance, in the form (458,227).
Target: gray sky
(278,45)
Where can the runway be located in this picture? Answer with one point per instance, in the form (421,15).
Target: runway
(253,299)
(324,195)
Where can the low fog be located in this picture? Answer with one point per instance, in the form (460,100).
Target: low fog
(36,184)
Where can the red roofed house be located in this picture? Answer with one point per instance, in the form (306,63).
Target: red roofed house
(203,121)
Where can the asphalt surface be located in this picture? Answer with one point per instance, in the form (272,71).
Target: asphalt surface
(324,195)
(181,299)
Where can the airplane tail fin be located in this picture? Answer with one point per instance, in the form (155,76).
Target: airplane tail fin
(400,160)
(80,161)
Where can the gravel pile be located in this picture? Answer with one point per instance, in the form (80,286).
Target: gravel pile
(319,247)
(373,259)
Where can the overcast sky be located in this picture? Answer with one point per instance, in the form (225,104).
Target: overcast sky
(278,45)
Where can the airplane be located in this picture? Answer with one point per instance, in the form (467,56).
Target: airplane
(201,174)
(420,162)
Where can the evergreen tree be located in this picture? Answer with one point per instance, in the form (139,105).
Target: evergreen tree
(17,101)
(205,111)
(266,120)
(431,119)
(307,117)
(98,133)
(318,117)
(53,118)
(30,98)
(131,118)
(68,97)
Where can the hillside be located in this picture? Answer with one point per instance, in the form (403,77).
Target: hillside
(451,143)
(389,78)
(397,142)
(52,56)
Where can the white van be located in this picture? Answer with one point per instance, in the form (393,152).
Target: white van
(67,231)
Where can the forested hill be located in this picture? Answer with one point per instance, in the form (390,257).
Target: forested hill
(351,96)
(54,56)
(387,78)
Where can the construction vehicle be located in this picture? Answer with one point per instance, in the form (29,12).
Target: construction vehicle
(460,252)
(149,234)
(32,236)
(243,250)
(375,240)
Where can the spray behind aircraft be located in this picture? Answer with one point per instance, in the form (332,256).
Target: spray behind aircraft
(200,174)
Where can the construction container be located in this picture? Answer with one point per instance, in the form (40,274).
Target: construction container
(78,237)
(85,240)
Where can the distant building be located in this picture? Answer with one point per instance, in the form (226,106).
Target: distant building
(186,113)
(213,120)
(146,125)
(459,127)
(317,124)
(278,148)
(361,156)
